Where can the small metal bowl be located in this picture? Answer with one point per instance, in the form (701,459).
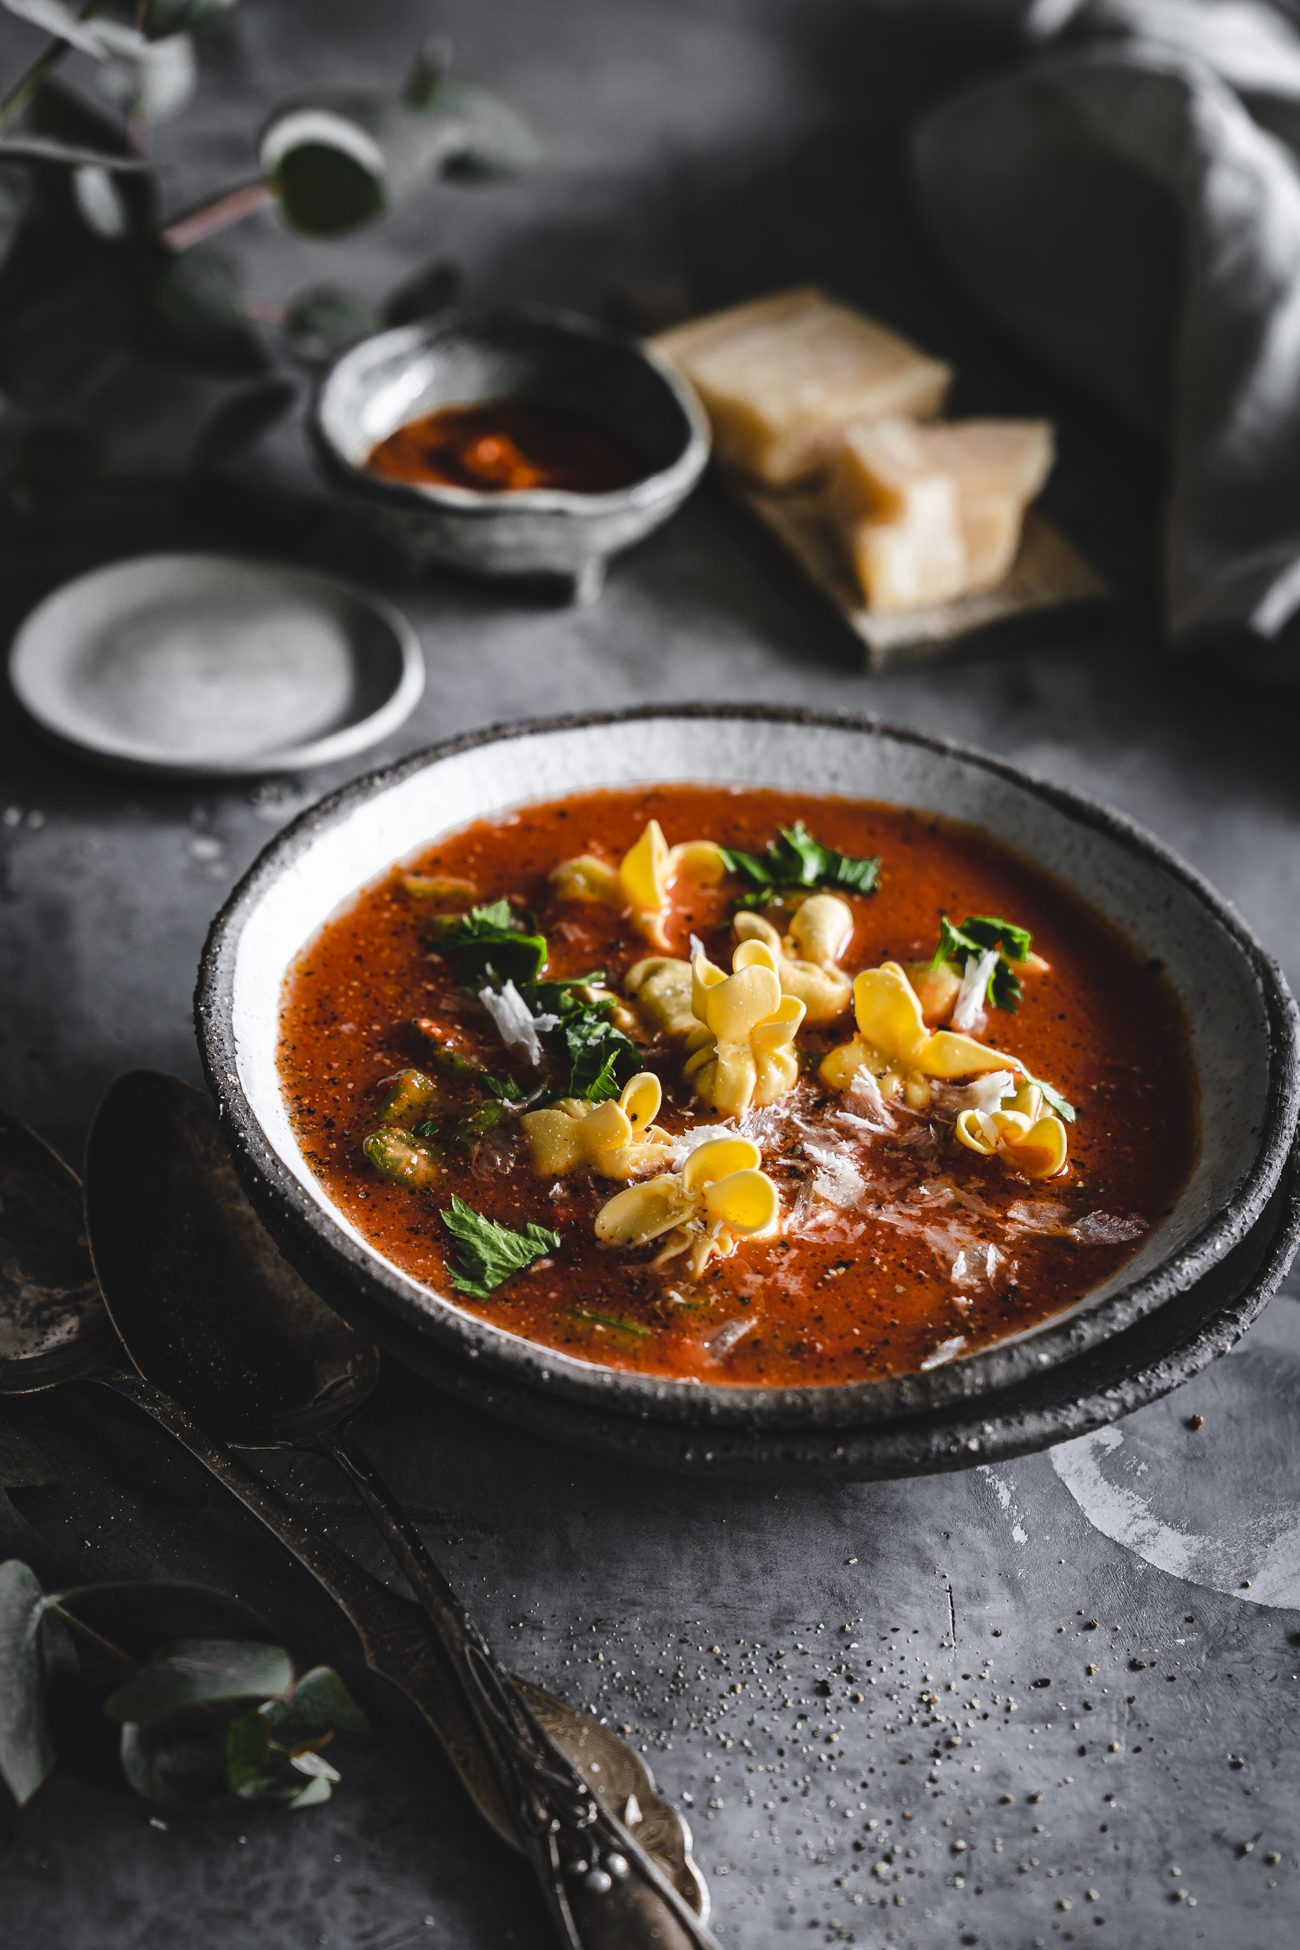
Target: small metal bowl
(536,353)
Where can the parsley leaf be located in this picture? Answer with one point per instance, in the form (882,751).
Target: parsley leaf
(600,1057)
(489,945)
(976,935)
(796,860)
(487,1253)
(1054,1100)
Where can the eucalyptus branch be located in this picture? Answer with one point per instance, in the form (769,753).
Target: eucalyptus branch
(206,219)
(29,85)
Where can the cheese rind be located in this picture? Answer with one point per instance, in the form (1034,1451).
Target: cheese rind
(780,378)
(930,513)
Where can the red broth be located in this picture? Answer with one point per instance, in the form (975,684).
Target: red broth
(873,1290)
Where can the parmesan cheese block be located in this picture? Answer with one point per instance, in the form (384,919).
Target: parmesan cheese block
(781,377)
(930,513)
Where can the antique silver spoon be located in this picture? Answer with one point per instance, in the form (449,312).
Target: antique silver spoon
(54,1328)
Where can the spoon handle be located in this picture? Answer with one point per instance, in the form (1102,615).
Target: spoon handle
(603,1890)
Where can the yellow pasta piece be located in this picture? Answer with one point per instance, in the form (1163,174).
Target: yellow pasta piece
(808,955)
(780,376)
(616,1139)
(720,1197)
(641,884)
(661,986)
(1020,1131)
(742,1051)
(894,1043)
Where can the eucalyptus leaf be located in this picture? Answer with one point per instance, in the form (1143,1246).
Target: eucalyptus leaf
(65,24)
(35,148)
(481,135)
(430,291)
(318,1704)
(322,321)
(113,196)
(195,1672)
(56,462)
(165,17)
(239,424)
(432,60)
(26,1748)
(339,161)
(308,1761)
(176,1767)
(143,1614)
(57,330)
(153,79)
(193,317)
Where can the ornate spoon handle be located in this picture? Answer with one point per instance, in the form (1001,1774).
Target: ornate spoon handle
(604,1891)
(400,1646)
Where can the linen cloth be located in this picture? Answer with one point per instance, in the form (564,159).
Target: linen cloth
(1127,200)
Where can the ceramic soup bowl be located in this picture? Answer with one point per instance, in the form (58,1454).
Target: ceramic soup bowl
(1243,1044)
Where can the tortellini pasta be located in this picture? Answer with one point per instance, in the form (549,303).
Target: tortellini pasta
(720,1197)
(742,1050)
(1019,1130)
(895,1045)
(616,1139)
(662,986)
(641,883)
(808,956)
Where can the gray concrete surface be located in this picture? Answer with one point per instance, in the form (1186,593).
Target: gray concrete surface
(1052,1703)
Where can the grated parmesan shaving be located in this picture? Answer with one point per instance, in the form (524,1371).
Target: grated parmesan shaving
(946,1351)
(968,1009)
(982,1094)
(719,1345)
(515,1023)
(866,1104)
(1106,1229)
(836,1179)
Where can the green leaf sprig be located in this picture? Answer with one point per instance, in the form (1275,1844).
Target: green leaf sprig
(490,947)
(1054,1100)
(486,1253)
(205,1705)
(978,934)
(794,861)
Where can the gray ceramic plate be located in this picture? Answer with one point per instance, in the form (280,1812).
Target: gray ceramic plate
(215,666)
(1243,1024)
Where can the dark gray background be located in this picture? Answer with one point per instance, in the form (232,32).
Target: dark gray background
(773,1651)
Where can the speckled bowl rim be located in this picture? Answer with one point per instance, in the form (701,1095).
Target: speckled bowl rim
(324,1251)
(664,486)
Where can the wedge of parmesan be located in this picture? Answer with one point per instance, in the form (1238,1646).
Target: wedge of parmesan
(930,513)
(781,377)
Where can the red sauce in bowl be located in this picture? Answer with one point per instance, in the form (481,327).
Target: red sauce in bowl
(505,446)
(866,1293)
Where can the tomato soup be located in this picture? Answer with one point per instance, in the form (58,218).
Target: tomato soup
(738,1086)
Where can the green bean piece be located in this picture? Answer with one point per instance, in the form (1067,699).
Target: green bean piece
(405,1095)
(478,1122)
(407,1159)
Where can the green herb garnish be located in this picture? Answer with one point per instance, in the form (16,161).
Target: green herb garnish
(600,1057)
(796,860)
(488,945)
(978,934)
(488,1253)
(1053,1099)
(614,1322)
